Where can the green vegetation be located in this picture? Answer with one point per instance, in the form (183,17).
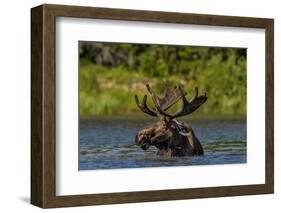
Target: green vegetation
(111,74)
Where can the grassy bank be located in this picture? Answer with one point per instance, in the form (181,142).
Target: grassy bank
(110,91)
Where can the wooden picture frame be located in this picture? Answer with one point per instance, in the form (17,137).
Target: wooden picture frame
(43,105)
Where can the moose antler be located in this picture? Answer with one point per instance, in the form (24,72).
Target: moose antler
(143,106)
(170,98)
(189,107)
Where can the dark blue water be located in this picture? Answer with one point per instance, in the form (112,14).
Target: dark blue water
(107,143)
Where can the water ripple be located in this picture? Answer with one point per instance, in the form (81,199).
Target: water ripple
(109,145)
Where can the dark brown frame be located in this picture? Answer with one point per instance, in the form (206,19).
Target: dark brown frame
(43,106)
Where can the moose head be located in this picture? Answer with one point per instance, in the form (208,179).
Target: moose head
(168,135)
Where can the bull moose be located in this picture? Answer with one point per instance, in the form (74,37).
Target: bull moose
(170,136)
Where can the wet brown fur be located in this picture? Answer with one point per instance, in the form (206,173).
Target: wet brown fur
(169,142)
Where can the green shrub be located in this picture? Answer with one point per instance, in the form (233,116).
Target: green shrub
(109,90)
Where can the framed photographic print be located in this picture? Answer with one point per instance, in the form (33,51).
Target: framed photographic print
(137,106)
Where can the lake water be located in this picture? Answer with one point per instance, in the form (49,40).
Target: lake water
(107,143)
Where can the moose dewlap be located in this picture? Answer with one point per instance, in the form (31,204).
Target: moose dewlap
(168,135)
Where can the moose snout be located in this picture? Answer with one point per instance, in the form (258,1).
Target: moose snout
(142,141)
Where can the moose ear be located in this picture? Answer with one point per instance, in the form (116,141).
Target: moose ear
(181,128)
